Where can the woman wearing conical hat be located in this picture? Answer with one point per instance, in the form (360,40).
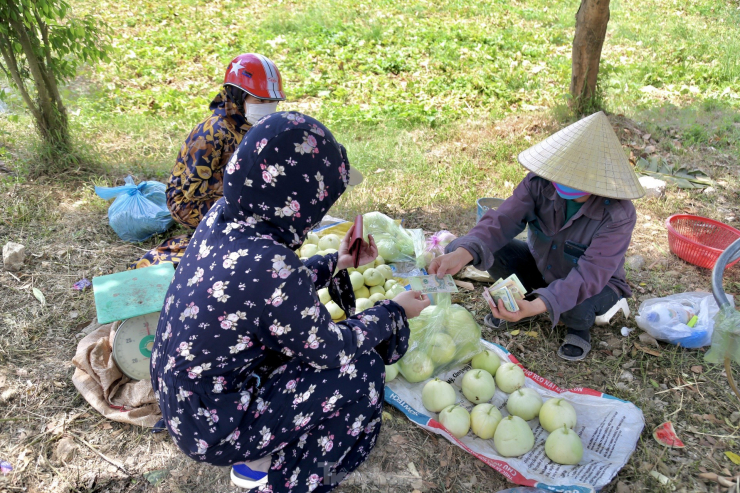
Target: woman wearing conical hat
(577,204)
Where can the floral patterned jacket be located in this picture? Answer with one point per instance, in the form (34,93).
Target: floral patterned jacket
(196,182)
(241,302)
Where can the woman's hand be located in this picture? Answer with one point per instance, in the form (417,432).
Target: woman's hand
(526,309)
(413,302)
(450,263)
(368,252)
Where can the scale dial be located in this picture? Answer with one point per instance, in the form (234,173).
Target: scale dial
(133,343)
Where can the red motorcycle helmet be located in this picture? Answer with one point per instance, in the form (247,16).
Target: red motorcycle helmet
(257,75)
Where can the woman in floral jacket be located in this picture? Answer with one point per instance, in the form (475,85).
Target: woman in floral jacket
(247,364)
(252,89)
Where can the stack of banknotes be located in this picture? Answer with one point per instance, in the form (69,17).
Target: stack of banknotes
(508,290)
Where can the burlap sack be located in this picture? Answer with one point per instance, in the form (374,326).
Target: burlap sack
(109,391)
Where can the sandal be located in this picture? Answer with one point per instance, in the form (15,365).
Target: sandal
(251,474)
(497,324)
(576,341)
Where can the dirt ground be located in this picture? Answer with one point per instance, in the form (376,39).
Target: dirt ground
(56,442)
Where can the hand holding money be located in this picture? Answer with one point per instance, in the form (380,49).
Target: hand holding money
(506,300)
(508,291)
(433,284)
(526,309)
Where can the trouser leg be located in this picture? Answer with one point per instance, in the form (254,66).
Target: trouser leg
(580,318)
(515,258)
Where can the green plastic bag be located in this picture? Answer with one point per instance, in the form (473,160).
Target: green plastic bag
(726,337)
(395,243)
(442,336)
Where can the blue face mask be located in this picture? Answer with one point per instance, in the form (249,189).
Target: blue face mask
(569,193)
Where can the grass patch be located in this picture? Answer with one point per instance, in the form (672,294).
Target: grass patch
(433,100)
(409,63)
(711,123)
(368,71)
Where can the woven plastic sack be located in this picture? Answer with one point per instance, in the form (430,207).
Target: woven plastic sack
(138,211)
(442,336)
(395,243)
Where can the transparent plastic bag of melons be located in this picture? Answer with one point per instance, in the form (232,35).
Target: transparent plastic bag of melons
(442,336)
(395,243)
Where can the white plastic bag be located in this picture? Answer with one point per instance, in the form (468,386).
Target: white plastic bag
(434,246)
(670,318)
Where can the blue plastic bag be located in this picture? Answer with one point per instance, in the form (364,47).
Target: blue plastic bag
(138,212)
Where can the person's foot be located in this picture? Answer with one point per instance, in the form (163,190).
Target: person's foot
(576,346)
(251,474)
(571,350)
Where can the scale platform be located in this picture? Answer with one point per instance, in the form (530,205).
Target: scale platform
(135,297)
(131,293)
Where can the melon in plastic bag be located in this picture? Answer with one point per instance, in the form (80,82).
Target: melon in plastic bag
(395,243)
(442,336)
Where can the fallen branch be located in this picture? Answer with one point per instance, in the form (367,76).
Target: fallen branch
(100,454)
(22,418)
(680,406)
(730,379)
(675,388)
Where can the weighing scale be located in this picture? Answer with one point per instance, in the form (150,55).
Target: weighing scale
(135,297)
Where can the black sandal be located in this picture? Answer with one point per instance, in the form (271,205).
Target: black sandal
(497,324)
(576,341)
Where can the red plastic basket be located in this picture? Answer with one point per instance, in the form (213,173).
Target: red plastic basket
(699,240)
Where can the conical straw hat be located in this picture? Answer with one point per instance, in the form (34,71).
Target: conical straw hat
(586,156)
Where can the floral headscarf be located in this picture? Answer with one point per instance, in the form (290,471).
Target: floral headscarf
(286,174)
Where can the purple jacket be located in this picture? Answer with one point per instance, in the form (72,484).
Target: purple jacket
(603,227)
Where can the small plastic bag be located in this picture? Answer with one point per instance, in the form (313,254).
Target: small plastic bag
(442,336)
(138,211)
(684,319)
(726,337)
(434,246)
(395,243)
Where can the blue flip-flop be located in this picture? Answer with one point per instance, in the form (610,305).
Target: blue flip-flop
(245,477)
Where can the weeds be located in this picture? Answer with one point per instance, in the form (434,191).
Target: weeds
(434,100)
(412,63)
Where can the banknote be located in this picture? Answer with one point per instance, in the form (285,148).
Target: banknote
(512,282)
(508,290)
(504,294)
(433,284)
(519,286)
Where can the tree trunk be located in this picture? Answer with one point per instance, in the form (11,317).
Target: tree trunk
(7,51)
(591,21)
(51,117)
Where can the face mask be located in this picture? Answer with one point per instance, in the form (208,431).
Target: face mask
(569,193)
(255,112)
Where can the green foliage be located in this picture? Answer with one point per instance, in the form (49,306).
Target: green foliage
(41,47)
(585,105)
(680,176)
(62,41)
(413,63)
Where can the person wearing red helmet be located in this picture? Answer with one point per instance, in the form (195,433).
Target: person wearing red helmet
(252,89)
